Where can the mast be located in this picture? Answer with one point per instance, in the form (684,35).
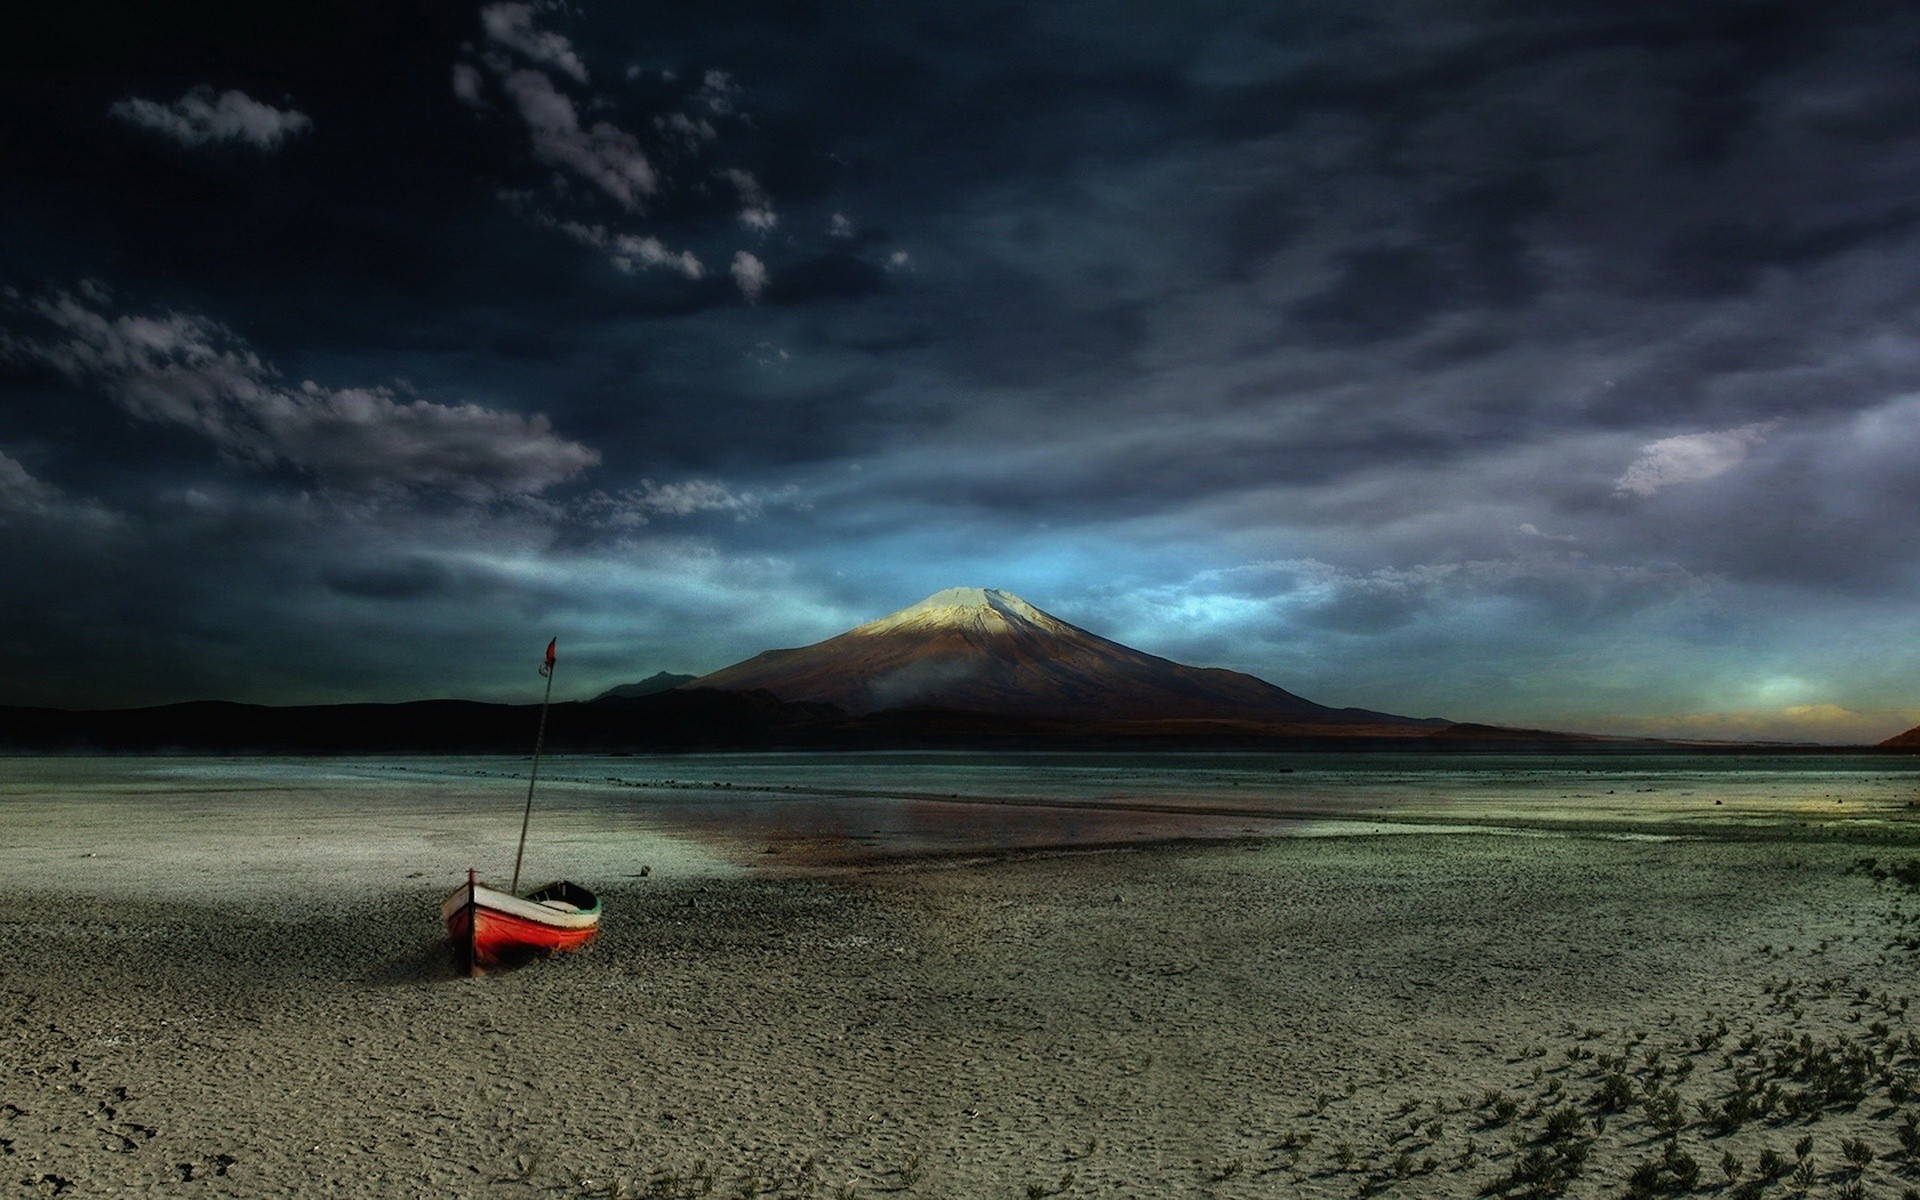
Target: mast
(533,776)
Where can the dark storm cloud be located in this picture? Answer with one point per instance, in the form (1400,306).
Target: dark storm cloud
(1552,350)
(182,369)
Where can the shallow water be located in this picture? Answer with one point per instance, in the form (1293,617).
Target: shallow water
(282,827)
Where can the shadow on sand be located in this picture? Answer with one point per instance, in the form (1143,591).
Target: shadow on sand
(429,962)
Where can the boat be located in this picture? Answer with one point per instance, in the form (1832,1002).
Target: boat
(491,929)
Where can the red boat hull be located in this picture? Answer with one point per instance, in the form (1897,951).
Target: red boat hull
(486,937)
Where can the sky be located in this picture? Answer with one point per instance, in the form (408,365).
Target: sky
(1541,363)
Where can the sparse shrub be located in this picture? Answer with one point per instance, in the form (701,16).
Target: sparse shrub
(1805,1175)
(1859,1154)
(1644,1182)
(1615,1093)
(1685,1171)
(1562,1123)
(1771,1165)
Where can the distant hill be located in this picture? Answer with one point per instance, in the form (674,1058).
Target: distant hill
(660,681)
(1911,738)
(967,668)
(983,651)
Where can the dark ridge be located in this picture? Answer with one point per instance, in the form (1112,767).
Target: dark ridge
(659,681)
(697,719)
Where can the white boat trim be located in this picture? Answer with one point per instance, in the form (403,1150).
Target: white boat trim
(530,910)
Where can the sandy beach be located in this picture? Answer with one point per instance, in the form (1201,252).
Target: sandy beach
(227,980)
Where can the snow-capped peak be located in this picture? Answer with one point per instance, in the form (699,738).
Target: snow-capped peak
(964,608)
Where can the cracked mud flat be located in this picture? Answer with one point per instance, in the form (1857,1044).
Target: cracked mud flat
(1405,1015)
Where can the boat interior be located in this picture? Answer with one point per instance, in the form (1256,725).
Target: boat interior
(565,896)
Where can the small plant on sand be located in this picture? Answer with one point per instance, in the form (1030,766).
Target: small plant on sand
(1859,1155)
(1231,1170)
(1802,1148)
(913,1170)
(1541,1172)
(1664,1112)
(1504,1110)
(1615,1093)
(1643,1183)
(1730,1167)
(1772,1165)
(1343,1153)
(1320,1102)
(1682,1166)
(1562,1123)
(1909,1134)
(1805,1175)
(1469,1154)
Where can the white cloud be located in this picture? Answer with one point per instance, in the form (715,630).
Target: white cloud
(1534,531)
(200,117)
(690,132)
(187,370)
(23,497)
(512,26)
(840,227)
(1689,458)
(466,84)
(605,155)
(751,274)
(636,506)
(632,253)
(717,90)
(756,208)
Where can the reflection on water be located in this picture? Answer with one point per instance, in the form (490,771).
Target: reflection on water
(817,808)
(421,817)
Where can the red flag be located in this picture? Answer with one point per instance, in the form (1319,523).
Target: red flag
(546,668)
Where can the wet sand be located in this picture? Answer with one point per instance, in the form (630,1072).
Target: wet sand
(226,979)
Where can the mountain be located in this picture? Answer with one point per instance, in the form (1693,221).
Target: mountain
(659,681)
(987,651)
(1911,738)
